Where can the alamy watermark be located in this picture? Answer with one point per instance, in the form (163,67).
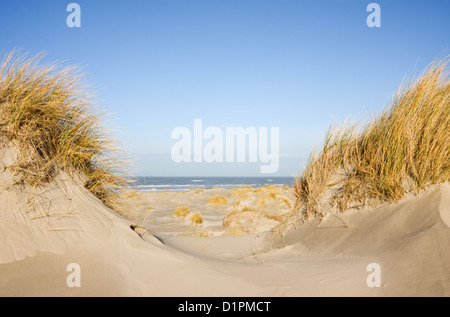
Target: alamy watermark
(74,278)
(374,18)
(374,278)
(232,144)
(74,18)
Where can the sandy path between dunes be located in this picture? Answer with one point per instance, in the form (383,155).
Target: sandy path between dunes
(44,230)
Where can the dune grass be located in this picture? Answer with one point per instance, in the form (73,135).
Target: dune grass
(404,149)
(217,200)
(49,113)
(196,218)
(181,211)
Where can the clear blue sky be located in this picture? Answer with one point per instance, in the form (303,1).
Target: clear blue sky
(297,65)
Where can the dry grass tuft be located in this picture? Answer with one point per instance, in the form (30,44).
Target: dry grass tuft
(404,149)
(49,113)
(218,200)
(181,212)
(196,219)
(241,192)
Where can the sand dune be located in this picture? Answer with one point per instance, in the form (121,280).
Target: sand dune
(44,229)
(268,241)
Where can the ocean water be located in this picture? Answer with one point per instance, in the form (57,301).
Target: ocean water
(155,184)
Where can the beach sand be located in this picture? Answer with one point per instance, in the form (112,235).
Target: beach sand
(44,229)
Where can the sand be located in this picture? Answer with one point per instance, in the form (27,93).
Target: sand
(43,230)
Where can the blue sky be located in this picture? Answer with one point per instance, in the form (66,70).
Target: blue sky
(296,65)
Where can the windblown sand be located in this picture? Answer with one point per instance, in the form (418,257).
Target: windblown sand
(245,248)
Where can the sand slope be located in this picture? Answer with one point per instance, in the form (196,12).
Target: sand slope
(42,230)
(409,240)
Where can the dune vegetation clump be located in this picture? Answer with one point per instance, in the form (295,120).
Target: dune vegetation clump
(257,209)
(403,150)
(48,112)
(218,200)
(241,192)
(196,218)
(181,212)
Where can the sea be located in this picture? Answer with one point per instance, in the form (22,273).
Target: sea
(156,184)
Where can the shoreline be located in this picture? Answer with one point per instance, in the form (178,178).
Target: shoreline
(158,184)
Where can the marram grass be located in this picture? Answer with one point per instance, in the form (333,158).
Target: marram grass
(404,149)
(181,211)
(48,112)
(218,200)
(196,218)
